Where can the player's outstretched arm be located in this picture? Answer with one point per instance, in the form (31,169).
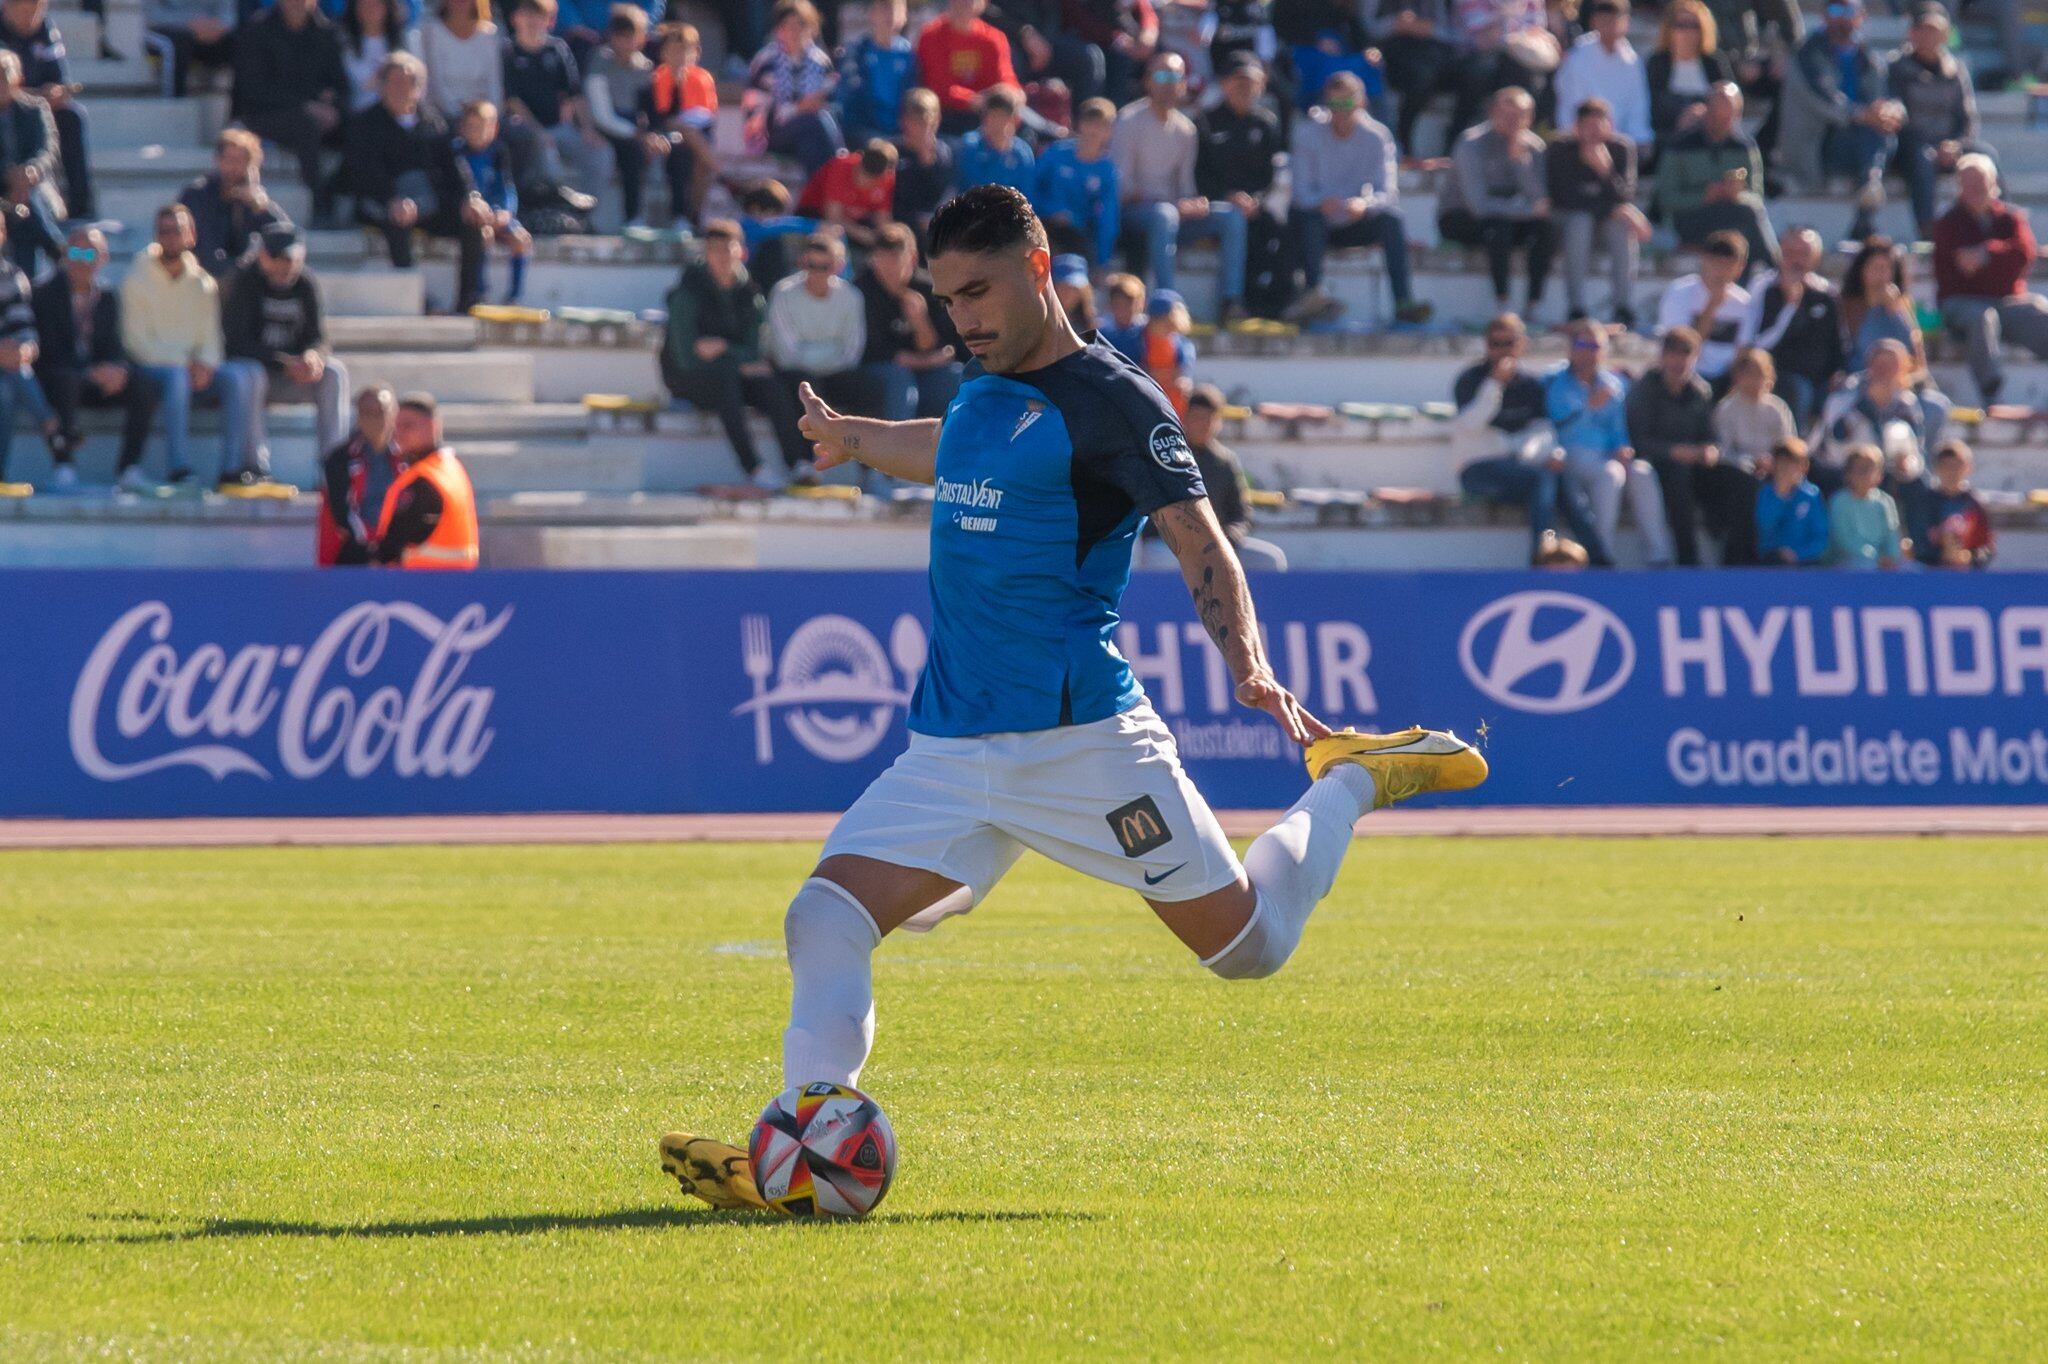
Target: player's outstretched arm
(905,450)
(1223,599)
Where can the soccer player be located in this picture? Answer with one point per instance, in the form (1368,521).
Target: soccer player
(1028,729)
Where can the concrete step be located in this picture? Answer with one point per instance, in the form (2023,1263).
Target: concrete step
(400,333)
(499,467)
(373,293)
(493,376)
(121,123)
(130,74)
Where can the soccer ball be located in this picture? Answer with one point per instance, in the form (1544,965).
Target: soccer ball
(822,1150)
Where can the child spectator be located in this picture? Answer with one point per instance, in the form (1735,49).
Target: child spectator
(1076,193)
(924,162)
(959,55)
(767,224)
(682,114)
(1168,356)
(1958,533)
(854,191)
(789,86)
(483,172)
(1752,419)
(876,70)
(1711,303)
(18,386)
(993,154)
(1126,329)
(1791,519)
(615,88)
(544,93)
(1863,521)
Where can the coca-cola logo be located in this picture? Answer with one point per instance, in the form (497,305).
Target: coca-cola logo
(320,706)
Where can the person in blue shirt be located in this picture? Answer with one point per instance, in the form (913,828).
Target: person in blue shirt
(1127,316)
(1028,727)
(993,154)
(875,71)
(1587,411)
(1076,192)
(1791,516)
(483,171)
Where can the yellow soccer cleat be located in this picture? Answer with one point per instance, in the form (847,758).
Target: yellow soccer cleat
(719,1174)
(1403,764)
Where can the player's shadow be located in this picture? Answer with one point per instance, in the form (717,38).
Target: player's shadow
(515,1224)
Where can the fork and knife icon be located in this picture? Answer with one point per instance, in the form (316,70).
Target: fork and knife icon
(907,650)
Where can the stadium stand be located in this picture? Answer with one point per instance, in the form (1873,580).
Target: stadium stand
(581,455)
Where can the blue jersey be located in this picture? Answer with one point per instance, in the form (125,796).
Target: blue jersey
(1043,480)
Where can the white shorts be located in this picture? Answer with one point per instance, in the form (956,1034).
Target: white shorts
(1108,799)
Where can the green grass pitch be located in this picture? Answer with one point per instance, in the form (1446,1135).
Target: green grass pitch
(1526,1098)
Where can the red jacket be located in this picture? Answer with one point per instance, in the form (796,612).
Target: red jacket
(2006,237)
(838,182)
(958,66)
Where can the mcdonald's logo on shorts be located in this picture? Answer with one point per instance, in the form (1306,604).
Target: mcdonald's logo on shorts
(1138,827)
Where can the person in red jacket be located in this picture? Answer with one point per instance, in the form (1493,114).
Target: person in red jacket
(959,55)
(853,191)
(1983,249)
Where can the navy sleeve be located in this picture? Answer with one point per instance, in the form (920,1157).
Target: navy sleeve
(1130,438)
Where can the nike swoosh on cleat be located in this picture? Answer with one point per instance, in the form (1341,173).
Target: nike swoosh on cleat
(1155,880)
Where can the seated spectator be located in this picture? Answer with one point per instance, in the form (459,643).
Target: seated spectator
(814,333)
(908,362)
(429,518)
(1155,147)
(1591,178)
(1751,419)
(1503,43)
(1791,518)
(1877,407)
(924,162)
(1239,146)
(28,172)
(1794,316)
(1710,179)
(80,361)
(190,33)
(276,349)
(401,166)
(19,389)
(1685,67)
(1671,428)
(1983,251)
(790,87)
(1840,119)
(371,30)
(1602,65)
(1877,303)
(490,203)
(1076,293)
(876,70)
(769,228)
(1863,521)
(1587,406)
(1223,476)
(1030,27)
(1507,454)
(1420,55)
(711,351)
(959,55)
(1164,350)
(1958,530)
(544,100)
(1495,197)
(229,208)
(464,56)
(993,154)
(854,191)
(582,24)
(1939,106)
(355,478)
(1323,38)
(1103,45)
(681,118)
(170,328)
(1126,329)
(292,88)
(1076,193)
(26,31)
(1346,187)
(1757,38)
(616,82)
(1712,304)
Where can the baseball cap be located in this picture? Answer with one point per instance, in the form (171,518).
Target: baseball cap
(1244,64)
(280,239)
(1162,302)
(1070,270)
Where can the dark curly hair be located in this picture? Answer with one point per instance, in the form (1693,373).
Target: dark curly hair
(984,219)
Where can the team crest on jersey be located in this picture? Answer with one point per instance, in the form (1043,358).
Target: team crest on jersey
(1170,447)
(1033,410)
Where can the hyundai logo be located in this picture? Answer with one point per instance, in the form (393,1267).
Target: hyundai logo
(1547,652)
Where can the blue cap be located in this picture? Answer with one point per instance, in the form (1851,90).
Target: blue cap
(1069,269)
(1162,302)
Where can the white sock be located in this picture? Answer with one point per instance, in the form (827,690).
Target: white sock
(1292,867)
(831,941)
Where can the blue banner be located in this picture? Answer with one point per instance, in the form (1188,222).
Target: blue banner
(190,693)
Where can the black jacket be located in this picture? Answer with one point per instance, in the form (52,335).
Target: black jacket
(43,58)
(1574,188)
(28,137)
(380,150)
(278,67)
(1811,344)
(1236,153)
(1659,419)
(699,308)
(61,347)
(259,322)
(225,228)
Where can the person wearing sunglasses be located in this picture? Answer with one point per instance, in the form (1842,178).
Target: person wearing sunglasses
(1840,119)
(1155,147)
(82,361)
(1346,184)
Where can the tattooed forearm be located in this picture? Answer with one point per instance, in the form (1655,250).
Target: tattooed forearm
(1223,600)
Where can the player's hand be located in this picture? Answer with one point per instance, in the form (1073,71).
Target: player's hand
(1262,691)
(821,426)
